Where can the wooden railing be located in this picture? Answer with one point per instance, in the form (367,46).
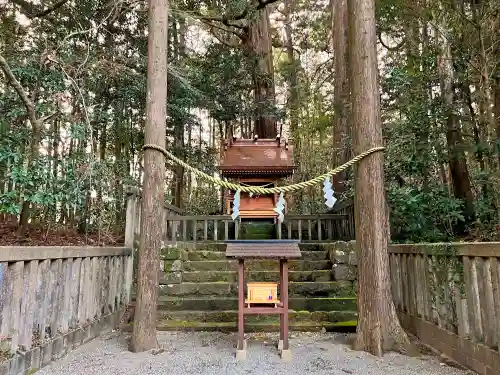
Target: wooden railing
(54,298)
(222,227)
(181,227)
(449,296)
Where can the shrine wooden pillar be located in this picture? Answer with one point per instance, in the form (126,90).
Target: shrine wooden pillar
(281,251)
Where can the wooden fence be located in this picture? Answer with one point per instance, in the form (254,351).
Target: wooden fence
(185,228)
(448,295)
(52,299)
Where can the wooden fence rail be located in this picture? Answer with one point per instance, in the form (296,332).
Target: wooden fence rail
(188,228)
(54,298)
(449,296)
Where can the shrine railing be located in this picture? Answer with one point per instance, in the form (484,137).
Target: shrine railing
(337,225)
(448,295)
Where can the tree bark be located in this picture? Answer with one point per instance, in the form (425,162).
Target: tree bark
(378,327)
(341,93)
(496,109)
(144,333)
(293,95)
(258,45)
(458,164)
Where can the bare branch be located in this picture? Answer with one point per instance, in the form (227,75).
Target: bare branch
(387,47)
(30,107)
(31,11)
(226,20)
(215,26)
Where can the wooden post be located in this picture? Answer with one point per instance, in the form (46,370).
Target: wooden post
(285,351)
(130,224)
(282,316)
(241,351)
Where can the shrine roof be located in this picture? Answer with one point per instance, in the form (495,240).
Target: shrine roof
(277,249)
(263,156)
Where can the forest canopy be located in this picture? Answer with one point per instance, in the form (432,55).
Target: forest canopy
(73,91)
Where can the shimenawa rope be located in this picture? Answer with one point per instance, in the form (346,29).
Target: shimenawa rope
(258,189)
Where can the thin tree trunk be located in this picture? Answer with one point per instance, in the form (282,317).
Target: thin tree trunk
(292,73)
(341,150)
(144,333)
(497,118)
(458,165)
(378,327)
(258,45)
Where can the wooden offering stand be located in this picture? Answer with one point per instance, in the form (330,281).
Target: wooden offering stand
(262,298)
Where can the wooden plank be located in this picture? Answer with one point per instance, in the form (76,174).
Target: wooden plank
(112,285)
(495,281)
(309,229)
(427,299)
(130,222)
(287,217)
(399,281)
(472,290)
(486,303)
(15,305)
(474,249)
(57,301)
(106,285)
(300,229)
(394,281)
(119,297)
(461,308)
(205,230)
(419,286)
(412,308)
(262,310)
(5,298)
(406,287)
(18,253)
(43,297)
(75,292)
(129,260)
(28,305)
(82,294)
(433,297)
(319,230)
(67,310)
(216,230)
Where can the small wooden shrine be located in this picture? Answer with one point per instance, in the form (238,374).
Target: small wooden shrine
(255,162)
(259,162)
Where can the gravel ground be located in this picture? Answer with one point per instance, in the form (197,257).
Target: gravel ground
(213,353)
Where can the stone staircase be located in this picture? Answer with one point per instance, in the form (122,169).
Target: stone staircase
(198,288)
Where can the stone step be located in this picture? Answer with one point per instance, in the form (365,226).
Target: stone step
(203,255)
(312,289)
(221,246)
(167,303)
(308,326)
(232,315)
(232,276)
(251,265)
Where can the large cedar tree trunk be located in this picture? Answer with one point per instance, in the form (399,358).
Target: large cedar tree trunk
(259,45)
(378,327)
(144,333)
